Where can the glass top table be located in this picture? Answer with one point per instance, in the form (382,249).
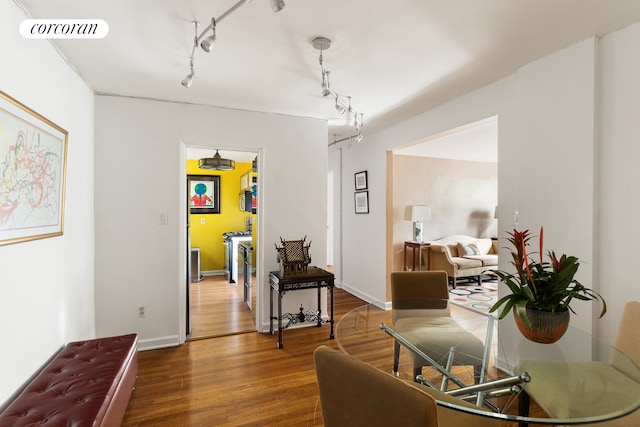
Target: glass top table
(572,379)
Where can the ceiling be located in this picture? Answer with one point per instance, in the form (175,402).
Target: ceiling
(395,59)
(477,142)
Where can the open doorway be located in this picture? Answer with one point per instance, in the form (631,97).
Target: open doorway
(221,242)
(456,174)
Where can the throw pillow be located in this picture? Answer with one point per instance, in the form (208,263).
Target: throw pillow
(484,245)
(470,249)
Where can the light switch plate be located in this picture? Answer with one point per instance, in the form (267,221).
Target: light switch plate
(163,218)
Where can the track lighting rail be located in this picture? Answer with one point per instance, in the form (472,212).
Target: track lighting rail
(207,42)
(350,138)
(342,103)
(215,21)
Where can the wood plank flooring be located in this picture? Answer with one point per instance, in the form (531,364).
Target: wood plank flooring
(217,308)
(235,380)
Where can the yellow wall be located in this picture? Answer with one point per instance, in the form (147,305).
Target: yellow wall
(208,236)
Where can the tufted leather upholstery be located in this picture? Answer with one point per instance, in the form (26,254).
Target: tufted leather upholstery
(88,383)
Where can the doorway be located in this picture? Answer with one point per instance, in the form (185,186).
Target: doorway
(456,174)
(215,302)
(217,309)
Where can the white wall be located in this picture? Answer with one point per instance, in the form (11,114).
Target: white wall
(364,238)
(617,174)
(140,171)
(46,286)
(462,195)
(555,167)
(555,141)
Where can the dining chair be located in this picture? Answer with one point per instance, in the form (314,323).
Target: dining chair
(421,314)
(354,393)
(562,388)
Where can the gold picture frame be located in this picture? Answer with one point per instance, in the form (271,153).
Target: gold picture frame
(33,160)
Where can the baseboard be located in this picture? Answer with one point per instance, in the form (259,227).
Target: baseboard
(160,342)
(213,273)
(385,305)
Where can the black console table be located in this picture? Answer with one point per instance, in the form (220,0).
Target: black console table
(313,278)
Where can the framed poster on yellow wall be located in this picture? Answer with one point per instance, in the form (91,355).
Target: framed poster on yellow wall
(203,192)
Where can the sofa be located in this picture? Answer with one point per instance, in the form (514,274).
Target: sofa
(463,256)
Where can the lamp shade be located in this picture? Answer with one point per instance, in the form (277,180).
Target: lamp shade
(417,213)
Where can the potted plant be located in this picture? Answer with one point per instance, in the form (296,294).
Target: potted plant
(541,292)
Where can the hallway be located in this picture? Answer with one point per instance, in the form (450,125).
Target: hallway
(217,309)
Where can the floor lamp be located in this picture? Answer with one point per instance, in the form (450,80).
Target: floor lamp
(417,214)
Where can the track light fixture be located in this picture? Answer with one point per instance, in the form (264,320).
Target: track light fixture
(207,43)
(277,5)
(343,103)
(326,86)
(186,82)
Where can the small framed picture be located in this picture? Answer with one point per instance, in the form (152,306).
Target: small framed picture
(361,199)
(204,194)
(361,180)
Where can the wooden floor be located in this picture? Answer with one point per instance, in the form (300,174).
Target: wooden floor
(235,380)
(217,308)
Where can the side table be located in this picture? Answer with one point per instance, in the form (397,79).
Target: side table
(419,246)
(314,278)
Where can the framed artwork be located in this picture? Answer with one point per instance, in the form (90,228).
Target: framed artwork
(33,161)
(204,194)
(361,199)
(361,180)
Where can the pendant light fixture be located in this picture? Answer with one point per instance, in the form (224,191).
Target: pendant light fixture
(217,163)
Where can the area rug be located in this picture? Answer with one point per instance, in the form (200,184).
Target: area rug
(479,298)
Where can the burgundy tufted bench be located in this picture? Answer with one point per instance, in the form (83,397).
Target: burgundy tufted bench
(88,383)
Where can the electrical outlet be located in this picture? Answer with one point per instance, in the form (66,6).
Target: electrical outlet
(142,311)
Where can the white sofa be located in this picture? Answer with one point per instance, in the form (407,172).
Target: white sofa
(463,256)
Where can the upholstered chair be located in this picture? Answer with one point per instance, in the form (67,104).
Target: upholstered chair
(421,314)
(354,393)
